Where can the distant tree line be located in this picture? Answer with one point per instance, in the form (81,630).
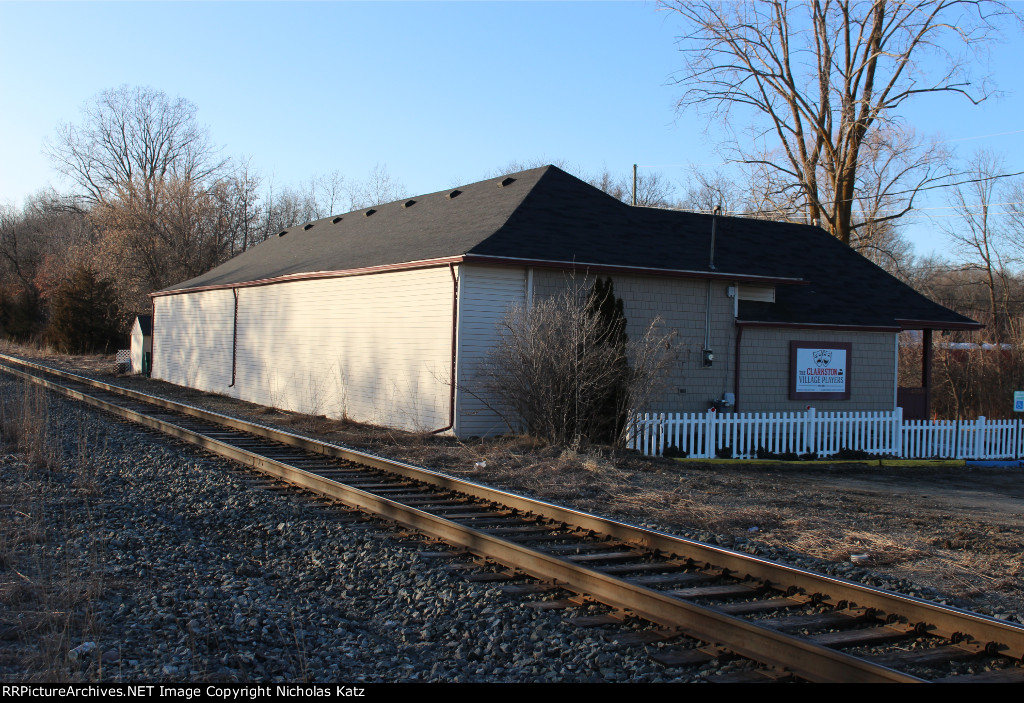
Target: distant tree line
(154,203)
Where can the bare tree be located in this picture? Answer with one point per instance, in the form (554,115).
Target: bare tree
(979,239)
(706,190)
(378,188)
(135,137)
(653,188)
(328,194)
(154,187)
(552,376)
(819,77)
(239,202)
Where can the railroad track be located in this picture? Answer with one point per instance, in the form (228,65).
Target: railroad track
(702,602)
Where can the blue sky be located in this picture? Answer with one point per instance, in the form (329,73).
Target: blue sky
(440,93)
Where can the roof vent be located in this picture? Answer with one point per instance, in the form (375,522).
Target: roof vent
(336,220)
(369,212)
(282,233)
(308,227)
(409,203)
(454,194)
(506,182)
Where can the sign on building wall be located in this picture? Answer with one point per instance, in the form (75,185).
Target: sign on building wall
(819,370)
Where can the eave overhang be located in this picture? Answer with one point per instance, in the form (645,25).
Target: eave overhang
(493,261)
(934,325)
(820,326)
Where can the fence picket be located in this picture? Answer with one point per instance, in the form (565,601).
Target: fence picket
(827,433)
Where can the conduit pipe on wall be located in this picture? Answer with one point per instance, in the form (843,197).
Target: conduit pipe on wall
(455,331)
(152,339)
(706,353)
(736,370)
(234,340)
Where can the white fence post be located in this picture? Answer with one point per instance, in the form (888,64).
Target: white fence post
(825,434)
(1017,439)
(809,431)
(897,433)
(710,440)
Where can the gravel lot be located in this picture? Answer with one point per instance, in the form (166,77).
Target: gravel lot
(216,583)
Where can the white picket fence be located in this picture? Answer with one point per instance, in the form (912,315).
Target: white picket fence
(708,435)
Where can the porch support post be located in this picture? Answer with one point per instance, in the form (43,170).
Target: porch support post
(926,371)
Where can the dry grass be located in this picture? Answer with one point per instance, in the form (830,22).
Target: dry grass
(45,592)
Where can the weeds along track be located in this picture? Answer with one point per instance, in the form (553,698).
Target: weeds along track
(701,602)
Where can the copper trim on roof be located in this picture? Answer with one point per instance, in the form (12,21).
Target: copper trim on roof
(317,275)
(933,325)
(818,326)
(613,268)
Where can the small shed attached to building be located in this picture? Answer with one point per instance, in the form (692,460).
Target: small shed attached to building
(141,344)
(373,314)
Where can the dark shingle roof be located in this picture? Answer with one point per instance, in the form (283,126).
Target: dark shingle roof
(145,324)
(547,215)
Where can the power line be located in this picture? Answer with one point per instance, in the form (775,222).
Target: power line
(984,136)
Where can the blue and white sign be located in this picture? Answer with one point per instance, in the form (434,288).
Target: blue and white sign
(820,370)
(1018,401)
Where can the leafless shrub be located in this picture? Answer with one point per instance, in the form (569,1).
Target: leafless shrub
(24,425)
(973,378)
(551,375)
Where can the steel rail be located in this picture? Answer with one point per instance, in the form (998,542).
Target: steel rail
(775,649)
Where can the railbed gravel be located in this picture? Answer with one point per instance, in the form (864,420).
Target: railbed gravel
(297,597)
(92,366)
(194,575)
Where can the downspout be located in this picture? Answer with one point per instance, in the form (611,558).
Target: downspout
(234,340)
(708,356)
(455,330)
(529,288)
(927,356)
(152,340)
(736,370)
(896,375)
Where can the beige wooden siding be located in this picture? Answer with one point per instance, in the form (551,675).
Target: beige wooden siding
(140,344)
(374,348)
(765,372)
(192,339)
(485,296)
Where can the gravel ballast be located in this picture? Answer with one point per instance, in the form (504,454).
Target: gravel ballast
(158,562)
(396,617)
